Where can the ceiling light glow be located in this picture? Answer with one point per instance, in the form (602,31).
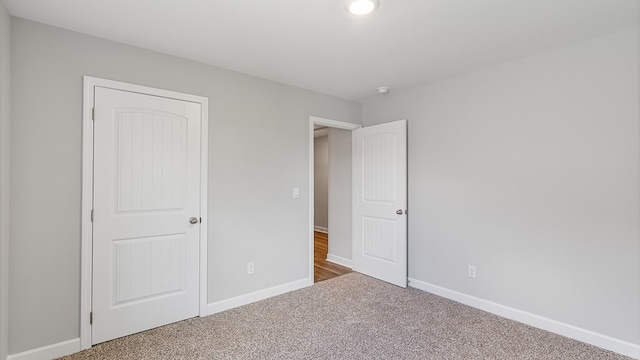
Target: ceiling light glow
(361,7)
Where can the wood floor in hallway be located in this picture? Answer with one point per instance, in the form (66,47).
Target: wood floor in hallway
(324,269)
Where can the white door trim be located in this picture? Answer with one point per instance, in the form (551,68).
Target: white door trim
(313,120)
(86,275)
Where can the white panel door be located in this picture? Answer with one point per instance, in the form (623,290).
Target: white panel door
(380,201)
(146,189)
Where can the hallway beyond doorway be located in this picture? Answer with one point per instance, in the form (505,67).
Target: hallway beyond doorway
(323,269)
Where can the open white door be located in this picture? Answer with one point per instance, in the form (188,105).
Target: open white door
(380,201)
(146,219)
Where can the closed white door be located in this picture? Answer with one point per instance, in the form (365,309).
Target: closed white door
(380,201)
(146,212)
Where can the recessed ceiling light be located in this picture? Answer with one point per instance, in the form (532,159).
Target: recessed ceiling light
(361,7)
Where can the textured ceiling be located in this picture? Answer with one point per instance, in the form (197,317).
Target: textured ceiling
(315,44)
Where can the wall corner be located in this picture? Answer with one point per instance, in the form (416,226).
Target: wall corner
(5,130)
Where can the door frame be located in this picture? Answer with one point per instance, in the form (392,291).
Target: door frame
(86,275)
(314,120)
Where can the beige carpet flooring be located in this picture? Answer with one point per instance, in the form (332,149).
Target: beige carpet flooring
(349,317)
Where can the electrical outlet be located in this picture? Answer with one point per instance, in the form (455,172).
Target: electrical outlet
(472,271)
(250,268)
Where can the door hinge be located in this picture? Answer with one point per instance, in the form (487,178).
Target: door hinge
(91,215)
(91,318)
(93,114)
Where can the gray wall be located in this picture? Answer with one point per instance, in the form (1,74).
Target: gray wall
(340,217)
(5,97)
(529,170)
(321,181)
(258,136)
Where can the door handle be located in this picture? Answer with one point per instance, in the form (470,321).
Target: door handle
(193,220)
(399,211)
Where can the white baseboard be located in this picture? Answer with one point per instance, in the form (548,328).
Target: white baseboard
(234,302)
(340,260)
(49,352)
(570,331)
(321,229)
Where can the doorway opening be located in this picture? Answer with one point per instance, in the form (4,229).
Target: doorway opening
(323,136)
(330,177)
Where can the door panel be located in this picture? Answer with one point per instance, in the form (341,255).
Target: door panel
(379,167)
(376,235)
(146,187)
(147,268)
(380,191)
(151,160)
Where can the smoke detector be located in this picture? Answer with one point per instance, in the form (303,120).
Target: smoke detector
(383,90)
